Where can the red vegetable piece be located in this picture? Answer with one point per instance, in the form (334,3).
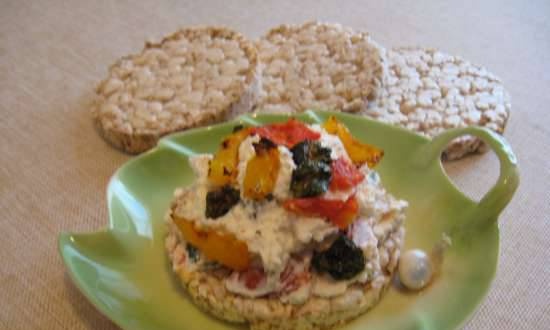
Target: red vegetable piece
(344,175)
(347,214)
(288,133)
(252,277)
(291,279)
(340,213)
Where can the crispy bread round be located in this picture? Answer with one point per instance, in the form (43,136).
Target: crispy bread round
(428,91)
(207,291)
(318,66)
(196,76)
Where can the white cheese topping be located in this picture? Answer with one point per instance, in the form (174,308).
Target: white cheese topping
(199,164)
(342,195)
(331,141)
(373,199)
(299,296)
(311,229)
(191,203)
(234,284)
(282,185)
(246,153)
(362,235)
(337,149)
(267,228)
(324,286)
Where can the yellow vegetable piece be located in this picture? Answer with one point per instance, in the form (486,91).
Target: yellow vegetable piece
(223,248)
(261,172)
(358,151)
(223,167)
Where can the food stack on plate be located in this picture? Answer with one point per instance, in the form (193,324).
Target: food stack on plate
(203,75)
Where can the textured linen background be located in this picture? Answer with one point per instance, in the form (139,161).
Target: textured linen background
(54,168)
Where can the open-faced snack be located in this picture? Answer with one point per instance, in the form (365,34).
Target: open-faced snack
(287,226)
(428,91)
(318,66)
(193,77)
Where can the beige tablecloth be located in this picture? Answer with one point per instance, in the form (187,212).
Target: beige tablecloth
(54,168)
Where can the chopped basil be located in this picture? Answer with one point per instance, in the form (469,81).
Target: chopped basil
(310,150)
(310,178)
(342,260)
(263,146)
(312,174)
(237,128)
(192,252)
(219,202)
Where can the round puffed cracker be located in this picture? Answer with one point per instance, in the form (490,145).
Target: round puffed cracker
(428,91)
(194,77)
(207,290)
(318,66)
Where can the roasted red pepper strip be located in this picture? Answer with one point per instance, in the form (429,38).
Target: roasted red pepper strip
(223,167)
(287,134)
(252,277)
(358,151)
(347,214)
(340,213)
(224,248)
(344,175)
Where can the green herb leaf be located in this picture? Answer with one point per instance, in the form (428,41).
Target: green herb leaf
(219,202)
(310,178)
(237,128)
(310,150)
(192,252)
(343,260)
(312,174)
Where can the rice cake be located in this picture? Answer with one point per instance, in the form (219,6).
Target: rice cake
(428,91)
(207,290)
(318,66)
(194,77)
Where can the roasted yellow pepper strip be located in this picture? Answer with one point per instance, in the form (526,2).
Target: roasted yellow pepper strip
(223,167)
(223,248)
(358,151)
(261,171)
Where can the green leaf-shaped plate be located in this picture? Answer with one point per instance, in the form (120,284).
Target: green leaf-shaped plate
(124,272)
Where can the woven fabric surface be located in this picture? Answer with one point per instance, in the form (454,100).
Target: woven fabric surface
(54,168)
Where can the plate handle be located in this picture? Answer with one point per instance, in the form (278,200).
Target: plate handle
(496,199)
